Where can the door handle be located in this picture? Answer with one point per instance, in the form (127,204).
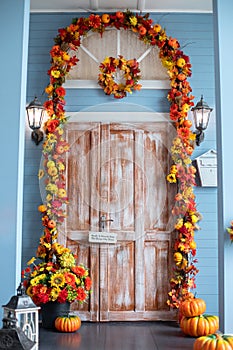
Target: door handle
(103,221)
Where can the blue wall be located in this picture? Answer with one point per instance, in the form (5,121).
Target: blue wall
(195,34)
(15,26)
(222,27)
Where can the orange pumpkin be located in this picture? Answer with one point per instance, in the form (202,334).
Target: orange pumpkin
(193,307)
(119,14)
(105,18)
(187,123)
(142,30)
(51,224)
(67,323)
(199,325)
(214,342)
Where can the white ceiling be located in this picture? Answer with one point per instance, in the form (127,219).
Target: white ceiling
(195,6)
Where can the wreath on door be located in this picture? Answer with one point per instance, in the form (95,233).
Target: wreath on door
(180,98)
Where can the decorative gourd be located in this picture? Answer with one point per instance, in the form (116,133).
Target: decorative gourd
(67,323)
(193,307)
(214,342)
(199,325)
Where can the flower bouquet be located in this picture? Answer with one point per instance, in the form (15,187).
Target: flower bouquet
(56,277)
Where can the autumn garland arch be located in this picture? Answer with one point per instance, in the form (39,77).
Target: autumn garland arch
(182,172)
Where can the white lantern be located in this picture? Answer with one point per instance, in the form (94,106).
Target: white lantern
(26,313)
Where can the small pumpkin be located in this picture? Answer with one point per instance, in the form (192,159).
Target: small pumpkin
(193,307)
(214,342)
(198,326)
(67,323)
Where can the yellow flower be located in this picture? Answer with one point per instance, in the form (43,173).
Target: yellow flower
(167,64)
(47,245)
(52,171)
(77,280)
(67,260)
(31,261)
(171,178)
(180,62)
(173,169)
(66,57)
(54,293)
(194,219)
(61,193)
(51,138)
(59,129)
(192,136)
(60,166)
(57,280)
(188,225)
(40,174)
(37,280)
(47,147)
(34,273)
(55,73)
(50,163)
(187,161)
(52,188)
(179,224)
(59,248)
(176,141)
(49,197)
(133,21)
(106,60)
(185,107)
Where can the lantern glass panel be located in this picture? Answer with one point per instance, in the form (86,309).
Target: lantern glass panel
(201,118)
(35,116)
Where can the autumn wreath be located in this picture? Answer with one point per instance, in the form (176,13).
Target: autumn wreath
(119,76)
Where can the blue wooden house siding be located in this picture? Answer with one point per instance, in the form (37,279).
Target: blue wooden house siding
(195,34)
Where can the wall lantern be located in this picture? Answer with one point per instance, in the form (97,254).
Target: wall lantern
(35,113)
(201,114)
(25,313)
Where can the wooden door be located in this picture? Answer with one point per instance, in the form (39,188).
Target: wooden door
(119,171)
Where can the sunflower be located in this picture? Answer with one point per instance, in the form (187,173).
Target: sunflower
(57,280)
(54,293)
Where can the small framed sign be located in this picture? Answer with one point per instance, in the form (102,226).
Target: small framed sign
(102,237)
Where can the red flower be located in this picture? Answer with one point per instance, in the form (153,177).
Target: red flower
(88,283)
(48,105)
(81,295)
(56,203)
(79,271)
(60,91)
(95,21)
(52,124)
(70,279)
(62,297)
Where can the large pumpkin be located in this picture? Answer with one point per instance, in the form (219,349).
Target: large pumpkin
(214,342)
(192,307)
(67,323)
(199,325)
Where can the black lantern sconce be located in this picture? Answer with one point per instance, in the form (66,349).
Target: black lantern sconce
(201,114)
(35,113)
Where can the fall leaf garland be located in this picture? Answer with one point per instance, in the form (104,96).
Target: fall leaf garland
(182,172)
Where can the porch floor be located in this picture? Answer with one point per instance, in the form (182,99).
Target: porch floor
(118,336)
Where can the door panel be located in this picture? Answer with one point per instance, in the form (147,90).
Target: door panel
(119,171)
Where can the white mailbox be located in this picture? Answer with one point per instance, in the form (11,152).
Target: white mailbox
(207,168)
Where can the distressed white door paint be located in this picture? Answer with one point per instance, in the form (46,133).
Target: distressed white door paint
(119,170)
